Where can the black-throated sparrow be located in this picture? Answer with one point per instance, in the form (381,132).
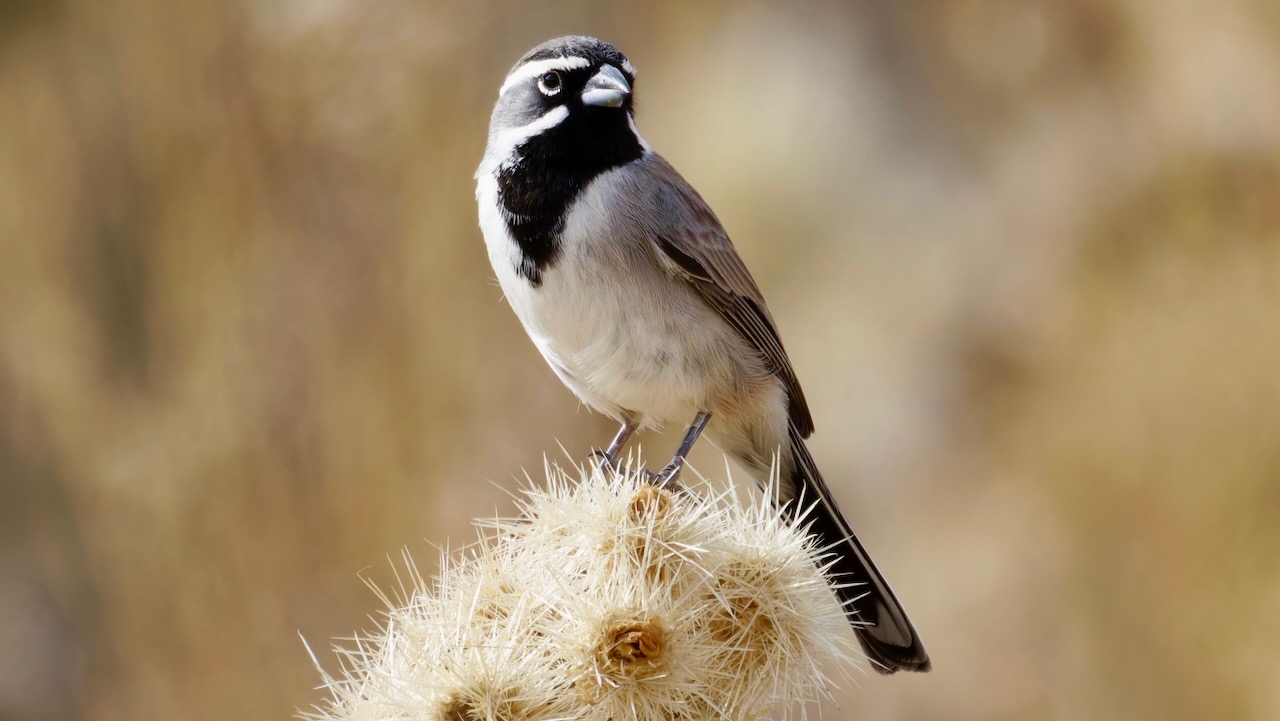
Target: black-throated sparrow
(630,288)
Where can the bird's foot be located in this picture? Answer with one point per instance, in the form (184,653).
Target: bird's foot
(605,462)
(668,477)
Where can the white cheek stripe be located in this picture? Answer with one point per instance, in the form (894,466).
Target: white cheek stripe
(631,120)
(502,146)
(628,67)
(537,67)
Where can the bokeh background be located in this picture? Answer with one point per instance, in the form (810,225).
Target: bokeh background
(1025,256)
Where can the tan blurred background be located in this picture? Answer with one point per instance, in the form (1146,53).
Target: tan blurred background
(1025,256)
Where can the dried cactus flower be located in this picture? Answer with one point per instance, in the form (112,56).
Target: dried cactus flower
(606,599)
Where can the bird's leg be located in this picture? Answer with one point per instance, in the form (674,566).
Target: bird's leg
(609,457)
(671,472)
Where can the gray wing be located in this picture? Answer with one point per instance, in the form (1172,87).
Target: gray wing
(690,243)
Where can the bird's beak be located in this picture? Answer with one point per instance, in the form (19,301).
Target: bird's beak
(606,89)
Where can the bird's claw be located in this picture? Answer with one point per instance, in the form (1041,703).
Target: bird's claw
(604,462)
(669,476)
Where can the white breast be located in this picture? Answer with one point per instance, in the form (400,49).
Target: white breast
(619,331)
(536,308)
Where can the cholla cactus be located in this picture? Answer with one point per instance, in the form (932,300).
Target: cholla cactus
(606,599)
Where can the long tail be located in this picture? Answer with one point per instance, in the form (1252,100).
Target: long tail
(883,629)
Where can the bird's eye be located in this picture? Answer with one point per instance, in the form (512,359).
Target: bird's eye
(550,83)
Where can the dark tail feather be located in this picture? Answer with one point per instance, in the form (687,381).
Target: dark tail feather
(883,629)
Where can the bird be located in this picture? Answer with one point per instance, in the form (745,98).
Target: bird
(629,286)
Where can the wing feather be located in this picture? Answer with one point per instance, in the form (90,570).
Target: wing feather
(697,249)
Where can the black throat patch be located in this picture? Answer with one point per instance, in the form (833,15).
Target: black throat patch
(552,170)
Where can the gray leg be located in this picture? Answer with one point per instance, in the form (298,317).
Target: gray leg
(609,458)
(671,473)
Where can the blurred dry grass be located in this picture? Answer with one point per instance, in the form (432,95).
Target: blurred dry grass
(1026,258)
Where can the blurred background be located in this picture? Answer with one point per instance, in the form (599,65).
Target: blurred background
(1025,257)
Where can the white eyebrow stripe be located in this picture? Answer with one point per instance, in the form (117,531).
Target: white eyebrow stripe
(537,67)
